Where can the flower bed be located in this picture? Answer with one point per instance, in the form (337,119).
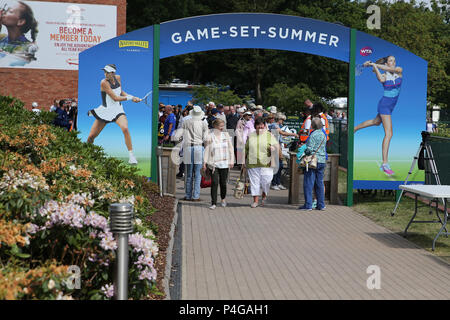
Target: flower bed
(54,197)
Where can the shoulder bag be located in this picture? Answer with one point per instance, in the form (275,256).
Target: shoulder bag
(310,161)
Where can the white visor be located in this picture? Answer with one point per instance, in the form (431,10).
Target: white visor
(109,69)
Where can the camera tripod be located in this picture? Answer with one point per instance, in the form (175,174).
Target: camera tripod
(426,162)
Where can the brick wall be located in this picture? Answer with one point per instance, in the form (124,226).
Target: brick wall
(44,85)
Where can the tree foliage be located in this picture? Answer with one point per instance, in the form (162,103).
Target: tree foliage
(204,94)
(423,31)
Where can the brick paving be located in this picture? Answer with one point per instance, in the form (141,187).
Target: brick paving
(278,252)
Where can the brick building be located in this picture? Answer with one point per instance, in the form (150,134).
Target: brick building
(45,85)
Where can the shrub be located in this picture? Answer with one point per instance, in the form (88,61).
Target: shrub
(55,192)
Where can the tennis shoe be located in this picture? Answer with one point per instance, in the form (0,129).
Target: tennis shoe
(386,169)
(213,207)
(281,187)
(275,187)
(132,160)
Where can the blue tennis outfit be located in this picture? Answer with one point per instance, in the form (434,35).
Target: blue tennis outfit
(391,92)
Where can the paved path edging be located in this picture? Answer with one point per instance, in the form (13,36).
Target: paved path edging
(168,269)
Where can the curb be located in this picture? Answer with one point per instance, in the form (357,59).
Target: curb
(168,269)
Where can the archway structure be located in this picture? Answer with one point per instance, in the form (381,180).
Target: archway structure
(137,54)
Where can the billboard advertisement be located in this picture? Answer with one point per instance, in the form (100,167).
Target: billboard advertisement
(50,35)
(110,75)
(390,113)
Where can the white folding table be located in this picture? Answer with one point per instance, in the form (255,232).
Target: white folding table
(434,192)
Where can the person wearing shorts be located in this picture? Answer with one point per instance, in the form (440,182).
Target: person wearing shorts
(391,81)
(111,109)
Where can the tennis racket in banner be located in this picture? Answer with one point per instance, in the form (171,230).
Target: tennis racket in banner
(359,68)
(147,99)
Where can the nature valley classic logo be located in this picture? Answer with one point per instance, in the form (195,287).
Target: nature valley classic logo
(133,43)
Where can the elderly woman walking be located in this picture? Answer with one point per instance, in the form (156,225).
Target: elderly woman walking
(313,178)
(219,158)
(261,153)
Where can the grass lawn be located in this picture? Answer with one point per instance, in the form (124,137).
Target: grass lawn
(144,165)
(378,208)
(370,170)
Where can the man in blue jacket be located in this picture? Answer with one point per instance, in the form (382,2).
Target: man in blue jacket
(62,119)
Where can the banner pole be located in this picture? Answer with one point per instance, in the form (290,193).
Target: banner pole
(351,117)
(155,103)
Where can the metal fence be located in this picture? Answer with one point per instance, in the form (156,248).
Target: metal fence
(441,152)
(338,140)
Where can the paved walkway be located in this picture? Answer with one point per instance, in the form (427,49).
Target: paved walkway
(278,252)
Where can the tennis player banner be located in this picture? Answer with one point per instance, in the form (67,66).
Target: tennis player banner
(112,79)
(390,112)
(56,33)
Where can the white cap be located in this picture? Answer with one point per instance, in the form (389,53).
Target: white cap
(34,104)
(273,109)
(248,112)
(108,68)
(259,107)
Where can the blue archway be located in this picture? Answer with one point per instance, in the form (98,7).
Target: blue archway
(133,53)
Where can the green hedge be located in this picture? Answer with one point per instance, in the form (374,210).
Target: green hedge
(54,196)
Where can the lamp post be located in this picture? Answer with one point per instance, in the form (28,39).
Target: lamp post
(121,224)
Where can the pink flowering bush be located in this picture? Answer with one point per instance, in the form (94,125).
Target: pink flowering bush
(58,190)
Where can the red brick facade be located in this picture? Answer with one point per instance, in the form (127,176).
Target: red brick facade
(44,85)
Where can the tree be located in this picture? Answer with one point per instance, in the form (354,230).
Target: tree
(204,94)
(423,31)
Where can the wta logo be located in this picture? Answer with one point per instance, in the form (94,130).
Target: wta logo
(366,51)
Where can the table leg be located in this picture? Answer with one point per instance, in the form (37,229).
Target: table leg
(415,213)
(443,226)
(439,217)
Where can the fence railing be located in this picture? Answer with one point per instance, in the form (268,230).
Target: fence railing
(441,152)
(338,140)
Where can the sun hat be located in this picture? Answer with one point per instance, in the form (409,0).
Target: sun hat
(281,116)
(34,104)
(259,107)
(273,109)
(109,68)
(196,112)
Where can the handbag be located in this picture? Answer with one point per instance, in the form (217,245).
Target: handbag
(206,179)
(310,161)
(239,188)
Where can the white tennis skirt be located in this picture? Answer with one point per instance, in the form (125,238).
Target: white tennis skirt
(107,114)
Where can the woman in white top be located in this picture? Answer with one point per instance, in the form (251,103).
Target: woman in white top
(111,109)
(219,158)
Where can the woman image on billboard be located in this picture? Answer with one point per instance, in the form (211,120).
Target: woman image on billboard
(15,48)
(391,81)
(111,109)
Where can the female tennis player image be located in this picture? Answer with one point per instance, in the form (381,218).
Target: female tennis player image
(111,109)
(15,48)
(391,81)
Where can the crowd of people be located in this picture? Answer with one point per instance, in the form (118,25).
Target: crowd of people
(217,138)
(66,112)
